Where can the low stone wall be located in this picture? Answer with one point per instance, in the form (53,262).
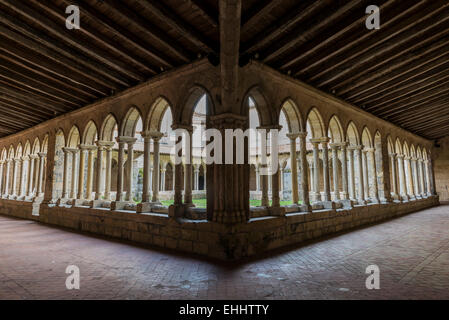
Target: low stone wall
(225,242)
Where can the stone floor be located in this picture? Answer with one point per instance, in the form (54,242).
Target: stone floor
(412,253)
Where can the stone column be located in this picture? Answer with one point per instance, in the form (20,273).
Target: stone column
(130,161)
(316,170)
(327,190)
(428,173)
(373,173)
(14,177)
(188,173)
(351,172)
(304,176)
(293,167)
(275,200)
(8,171)
(344,171)
(99,173)
(2,163)
(196,173)
(146,168)
(410,182)
(120,169)
(281,186)
(361,191)
(365,174)
(394,185)
(31,175)
(257,179)
(156,166)
(74,152)
(90,172)
(20,167)
(36,175)
(163,170)
(334,148)
(265,200)
(65,176)
(81,172)
(40,190)
(432,177)
(403,190)
(108,172)
(421,177)
(415,175)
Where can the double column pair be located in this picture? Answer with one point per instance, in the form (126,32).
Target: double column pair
(121,200)
(304,185)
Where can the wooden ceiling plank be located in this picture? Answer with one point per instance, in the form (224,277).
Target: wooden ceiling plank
(21,113)
(64,35)
(206,11)
(171,18)
(24,106)
(257,12)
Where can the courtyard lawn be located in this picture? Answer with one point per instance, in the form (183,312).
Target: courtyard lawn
(201,203)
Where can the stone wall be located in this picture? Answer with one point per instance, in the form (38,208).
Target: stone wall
(441,169)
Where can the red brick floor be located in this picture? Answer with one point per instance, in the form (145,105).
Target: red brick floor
(412,253)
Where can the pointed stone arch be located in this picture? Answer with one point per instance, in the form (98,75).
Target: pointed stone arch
(367,139)
(315,124)
(352,134)
(335,131)
(36,146)
(108,128)
(157,113)
(129,124)
(292,115)
(74,137)
(90,133)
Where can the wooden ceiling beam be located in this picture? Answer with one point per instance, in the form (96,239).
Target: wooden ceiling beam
(20,113)
(428,30)
(25,107)
(59,31)
(301,36)
(206,11)
(305,9)
(259,10)
(169,17)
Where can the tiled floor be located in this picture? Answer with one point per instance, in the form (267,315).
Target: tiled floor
(412,253)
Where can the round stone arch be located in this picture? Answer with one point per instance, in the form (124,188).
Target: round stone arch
(90,133)
(335,130)
(108,127)
(262,105)
(293,116)
(315,125)
(187,104)
(74,137)
(156,114)
(130,121)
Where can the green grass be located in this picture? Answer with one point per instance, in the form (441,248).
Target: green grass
(201,203)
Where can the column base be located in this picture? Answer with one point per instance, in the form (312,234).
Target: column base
(362,202)
(330,205)
(96,203)
(347,203)
(276,211)
(147,206)
(176,211)
(79,202)
(404,197)
(119,205)
(63,201)
(305,208)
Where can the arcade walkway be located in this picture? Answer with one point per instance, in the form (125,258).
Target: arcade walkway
(412,253)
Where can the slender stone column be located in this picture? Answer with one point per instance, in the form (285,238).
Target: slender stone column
(99,173)
(293,167)
(316,170)
(334,148)
(8,174)
(81,172)
(40,190)
(146,168)
(204,174)
(120,165)
(325,151)
(373,173)
(257,179)
(432,178)
(361,191)
(281,186)
(265,200)
(65,176)
(163,170)
(36,175)
(23,176)
(2,163)
(415,175)
(428,173)
(304,176)
(410,182)
(14,177)
(20,167)
(421,177)
(365,175)
(394,184)
(403,190)
(130,162)
(275,200)
(188,173)
(156,167)
(107,184)
(90,172)
(351,172)
(74,152)
(196,173)
(31,175)
(344,170)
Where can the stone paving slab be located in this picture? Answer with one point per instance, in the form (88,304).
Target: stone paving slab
(412,253)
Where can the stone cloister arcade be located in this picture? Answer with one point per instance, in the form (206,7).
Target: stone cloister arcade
(345,167)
